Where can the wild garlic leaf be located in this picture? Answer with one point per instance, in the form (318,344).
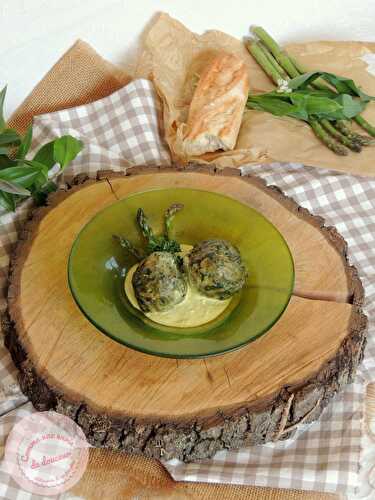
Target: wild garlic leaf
(303,81)
(62,151)
(41,194)
(24,147)
(351,107)
(322,107)
(347,86)
(341,83)
(65,149)
(2,98)
(11,187)
(6,162)
(277,106)
(9,137)
(24,176)
(8,201)
(20,177)
(318,92)
(305,104)
(37,165)
(45,155)
(42,172)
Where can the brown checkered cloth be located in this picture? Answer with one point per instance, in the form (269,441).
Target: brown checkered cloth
(122,130)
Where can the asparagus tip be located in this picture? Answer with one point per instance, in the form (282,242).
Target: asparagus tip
(356,147)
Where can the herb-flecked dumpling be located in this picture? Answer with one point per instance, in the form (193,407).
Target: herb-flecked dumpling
(216,269)
(159,282)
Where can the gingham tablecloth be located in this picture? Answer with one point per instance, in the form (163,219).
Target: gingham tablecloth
(122,130)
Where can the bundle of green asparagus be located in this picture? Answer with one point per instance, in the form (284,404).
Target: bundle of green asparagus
(325,101)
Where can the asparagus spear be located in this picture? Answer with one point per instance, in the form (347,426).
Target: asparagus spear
(281,57)
(364,140)
(269,65)
(144,226)
(322,85)
(365,125)
(273,61)
(258,53)
(156,243)
(351,144)
(169,215)
(129,247)
(328,141)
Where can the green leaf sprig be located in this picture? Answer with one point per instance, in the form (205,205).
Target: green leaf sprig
(154,243)
(296,100)
(21,178)
(159,243)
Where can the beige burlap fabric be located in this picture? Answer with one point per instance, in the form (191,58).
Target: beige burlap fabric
(79,77)
(116,476)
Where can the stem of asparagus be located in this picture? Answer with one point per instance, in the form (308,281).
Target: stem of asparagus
(258,53)
(322,85)
(351,144)
(339,129)
(328,141)
(129,247)
(168,217)
(270,63)
(144,225)
(280,56)
(364,140)
(365,125)
(273,61)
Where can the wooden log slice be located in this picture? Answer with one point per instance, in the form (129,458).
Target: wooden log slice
(187,409)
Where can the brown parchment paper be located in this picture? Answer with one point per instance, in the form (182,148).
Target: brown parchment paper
(173,57)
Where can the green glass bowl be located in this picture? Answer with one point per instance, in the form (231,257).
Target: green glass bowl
(98,265)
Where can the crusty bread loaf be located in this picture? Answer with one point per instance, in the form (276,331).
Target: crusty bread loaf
(217,106)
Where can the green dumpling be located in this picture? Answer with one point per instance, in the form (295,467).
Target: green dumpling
(216,269)
(159,282)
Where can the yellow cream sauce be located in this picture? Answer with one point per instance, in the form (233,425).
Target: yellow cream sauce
(194,310)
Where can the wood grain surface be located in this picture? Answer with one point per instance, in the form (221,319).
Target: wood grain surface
(187,408)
